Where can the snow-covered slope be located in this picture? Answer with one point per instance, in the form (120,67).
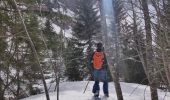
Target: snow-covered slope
(74,91)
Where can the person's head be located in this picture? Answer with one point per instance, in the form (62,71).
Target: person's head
(99,47)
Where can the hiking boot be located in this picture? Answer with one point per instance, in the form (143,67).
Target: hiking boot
(106,95)
(96,94)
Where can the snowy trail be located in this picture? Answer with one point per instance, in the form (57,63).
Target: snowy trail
(74,91)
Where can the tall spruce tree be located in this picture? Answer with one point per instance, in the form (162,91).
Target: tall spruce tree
(87,23)
(86,26)
(31,69)
(54,40)
(19,55)
(73,57)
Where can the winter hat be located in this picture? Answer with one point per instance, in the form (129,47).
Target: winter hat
(99,47)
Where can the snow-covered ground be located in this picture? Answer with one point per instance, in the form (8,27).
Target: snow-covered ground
(74,91)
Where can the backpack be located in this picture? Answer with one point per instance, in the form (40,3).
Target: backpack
(98,60)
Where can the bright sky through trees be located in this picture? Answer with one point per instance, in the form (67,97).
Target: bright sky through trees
(108,7)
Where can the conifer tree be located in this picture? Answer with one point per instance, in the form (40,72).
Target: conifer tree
(73,57)
(87,23)
(86,26)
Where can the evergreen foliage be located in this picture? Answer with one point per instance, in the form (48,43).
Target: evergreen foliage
(54,40)
(86,26)
(18,65)
(87,21)
(74,59)
(134,72)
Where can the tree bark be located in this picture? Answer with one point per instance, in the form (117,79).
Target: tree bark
(103,22)
(1,89)
(113,69)
(118,89)
(149,52)
(34,52)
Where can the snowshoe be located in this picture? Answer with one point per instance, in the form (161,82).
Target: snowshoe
(96,95)
(106,95)
(97,98)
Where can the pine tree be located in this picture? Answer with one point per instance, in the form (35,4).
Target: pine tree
(54,40)
(86,26)
(31,71)
(87,23)
(73,57)
(19,54)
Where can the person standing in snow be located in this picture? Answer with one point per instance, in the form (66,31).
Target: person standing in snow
(98,66)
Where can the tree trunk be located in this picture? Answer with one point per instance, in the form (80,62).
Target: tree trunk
(118,87)
(57,76)
(45,85)
(1,90)
(109,53)
(103,22)
(18,85)
(34,51)
(116,73)
(58,88)
(2,96)
(115,76)
(149,52)
(117,51)
(162,39)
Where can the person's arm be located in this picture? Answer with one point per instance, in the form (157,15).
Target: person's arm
(105,62)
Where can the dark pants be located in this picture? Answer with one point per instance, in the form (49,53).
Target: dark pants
(96,87)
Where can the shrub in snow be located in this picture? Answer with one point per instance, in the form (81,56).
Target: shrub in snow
(35,91)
